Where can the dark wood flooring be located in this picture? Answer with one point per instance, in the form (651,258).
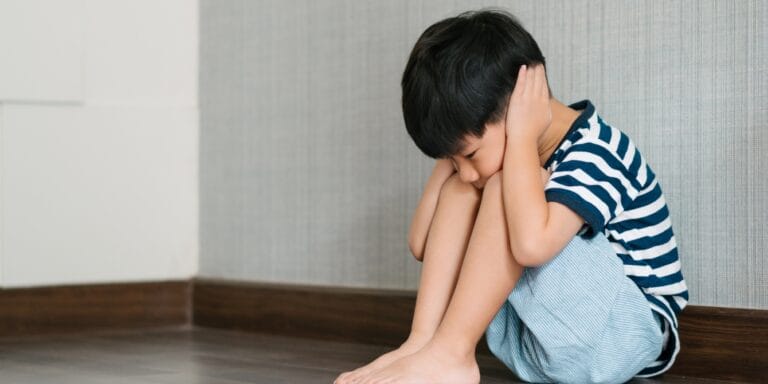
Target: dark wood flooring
(194,355)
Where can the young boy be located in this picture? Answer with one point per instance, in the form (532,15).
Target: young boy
(541,226)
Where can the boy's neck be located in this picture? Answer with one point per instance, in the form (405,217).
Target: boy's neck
(562,119)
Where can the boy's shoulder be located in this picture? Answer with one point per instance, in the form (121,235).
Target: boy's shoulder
(595,146)
(598,172)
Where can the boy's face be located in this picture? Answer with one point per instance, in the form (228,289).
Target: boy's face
(481,157)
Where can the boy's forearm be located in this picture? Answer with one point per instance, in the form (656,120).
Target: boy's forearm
(427,206)
(525,206)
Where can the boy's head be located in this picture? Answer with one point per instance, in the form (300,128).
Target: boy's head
(459,76)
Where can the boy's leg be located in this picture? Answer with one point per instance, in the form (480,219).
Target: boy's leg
(444,251)
(488,275)
(577,330)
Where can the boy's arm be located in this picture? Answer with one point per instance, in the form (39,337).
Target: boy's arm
(538,229)
(425,211)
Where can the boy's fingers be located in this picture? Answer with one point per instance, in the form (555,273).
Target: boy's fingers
(531,80)
(520,83)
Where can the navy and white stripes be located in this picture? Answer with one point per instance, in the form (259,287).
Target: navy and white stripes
(599,173)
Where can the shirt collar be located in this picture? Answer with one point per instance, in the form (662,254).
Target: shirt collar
(581,122)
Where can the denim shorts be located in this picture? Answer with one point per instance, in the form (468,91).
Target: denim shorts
(576,319)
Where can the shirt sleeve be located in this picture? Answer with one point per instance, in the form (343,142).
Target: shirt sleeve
(592,181)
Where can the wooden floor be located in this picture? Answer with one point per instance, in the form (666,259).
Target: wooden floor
(193,355)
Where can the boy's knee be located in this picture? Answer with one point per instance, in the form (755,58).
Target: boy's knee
(454,187)
(494,182)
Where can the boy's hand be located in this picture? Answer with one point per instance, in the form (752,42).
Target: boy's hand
(528,111)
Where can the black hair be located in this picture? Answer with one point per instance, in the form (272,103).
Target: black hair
(459,76)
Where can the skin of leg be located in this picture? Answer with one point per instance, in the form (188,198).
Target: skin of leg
(488,274)
(446,245)
(444,252)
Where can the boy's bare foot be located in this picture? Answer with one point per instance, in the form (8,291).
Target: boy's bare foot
(431,364)
(410,346)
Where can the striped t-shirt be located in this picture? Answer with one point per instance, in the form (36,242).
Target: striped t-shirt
(599,173)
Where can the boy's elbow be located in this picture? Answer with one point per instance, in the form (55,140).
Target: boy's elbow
(416,248)
(414,252)
(528,255)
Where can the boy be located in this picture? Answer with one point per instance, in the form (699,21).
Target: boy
(573,277)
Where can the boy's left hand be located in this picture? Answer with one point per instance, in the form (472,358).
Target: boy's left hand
(529,111)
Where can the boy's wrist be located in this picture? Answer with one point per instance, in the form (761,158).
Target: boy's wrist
(520,139)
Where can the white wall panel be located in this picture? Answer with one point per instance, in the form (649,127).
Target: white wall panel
(141,53)
(98,194)
(41,50)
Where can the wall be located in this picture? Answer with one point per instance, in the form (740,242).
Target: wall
(308,175)
(98,141)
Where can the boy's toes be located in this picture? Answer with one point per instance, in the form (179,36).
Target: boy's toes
(356,377)
(342,378)
(346,378)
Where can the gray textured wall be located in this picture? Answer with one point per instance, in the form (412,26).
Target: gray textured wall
(308,175)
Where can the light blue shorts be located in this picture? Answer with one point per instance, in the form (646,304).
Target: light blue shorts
(576,319)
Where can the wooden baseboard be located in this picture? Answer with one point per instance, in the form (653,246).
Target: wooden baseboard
(78,308)
(343,314)
(716,343)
